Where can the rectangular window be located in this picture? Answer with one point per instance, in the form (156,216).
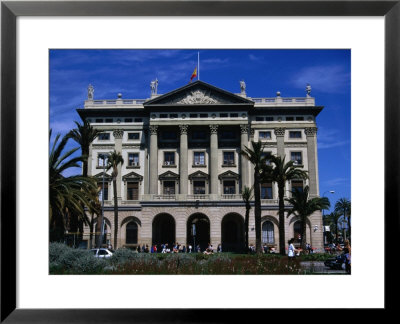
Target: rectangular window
(104,136)
(199,187)
(128,120)
(229,187)
(296,156)
(133,159)
(299,118)
(203,115)
(163,115)
(267,155)
(264,135)
(199,158)
(193,115)
(132,191)
(133,136)
(169,187)
(100,185)
(109,120)
(289,118)
(223,115)
(266,190)
(138,120)
(229,158)
(172,116)
(234,115)
(199,135)
(169,135)
(99,120)
(102,160)
(169,158)
(259,118)
(269,118)
(297,185)
(294,134)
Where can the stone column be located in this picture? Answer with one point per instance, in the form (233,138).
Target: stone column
(244,163)
(153,186)
(183,160)
(280,133)
(146,161)
(312,158)
(118,134)
(213,167)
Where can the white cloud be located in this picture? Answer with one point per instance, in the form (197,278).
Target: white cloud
(328,79)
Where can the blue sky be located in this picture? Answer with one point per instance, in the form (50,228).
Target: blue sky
(265,72)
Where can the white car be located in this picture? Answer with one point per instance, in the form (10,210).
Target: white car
(102,253)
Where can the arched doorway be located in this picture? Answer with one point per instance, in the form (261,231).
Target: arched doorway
(163,230)
(297,231)
(131,235)
(202,225)
(232,228)
(268,236)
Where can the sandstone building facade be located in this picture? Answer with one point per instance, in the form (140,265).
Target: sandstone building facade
(182,163)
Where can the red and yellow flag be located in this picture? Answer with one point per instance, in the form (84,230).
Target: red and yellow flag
(194,74)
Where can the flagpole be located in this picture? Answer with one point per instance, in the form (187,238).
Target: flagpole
(198,65)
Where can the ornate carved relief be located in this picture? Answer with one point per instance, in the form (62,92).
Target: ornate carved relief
(214,129)
(310,131)
(183,128)
(280,131)
(198,97)
(252,132)
(244,129)
(118,133)
(153,129)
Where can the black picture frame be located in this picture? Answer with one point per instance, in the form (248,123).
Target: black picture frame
(10,10)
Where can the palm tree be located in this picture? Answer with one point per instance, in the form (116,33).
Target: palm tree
(84,135)
(247,195)
(280,172)
(334,219)
(114,159)
(303,207)
(343,207)
(257,158)
(94,209)
(67,195)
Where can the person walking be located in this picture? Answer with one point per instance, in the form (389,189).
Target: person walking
(291,249)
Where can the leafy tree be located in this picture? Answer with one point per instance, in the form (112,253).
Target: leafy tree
(257,158)
(303,207)
(343,207)
(247,195)
(67,195)
(114,159)
(279,171)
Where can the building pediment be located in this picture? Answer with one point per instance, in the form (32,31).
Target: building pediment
(228,174)
(99,176)
(198,93)
(132,176)
(198,175)
(169,175)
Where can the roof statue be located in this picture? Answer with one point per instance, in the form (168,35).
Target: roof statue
(242,87)
(308,90)
(90,92)
(153,87)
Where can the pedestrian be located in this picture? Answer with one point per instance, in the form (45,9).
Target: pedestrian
(219,248)
(184,249)
(347,253)
(291,249)
(198,248)
(190,248)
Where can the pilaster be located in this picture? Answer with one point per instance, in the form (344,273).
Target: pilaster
(244,163)
(183,160)
(312,157)
(213,160)
(118,134)
(280,135)
(153,172)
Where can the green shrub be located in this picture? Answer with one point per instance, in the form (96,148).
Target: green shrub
(56,250)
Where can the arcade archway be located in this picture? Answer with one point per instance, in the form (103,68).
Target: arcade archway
(163,230)
(202,226)
(232,228)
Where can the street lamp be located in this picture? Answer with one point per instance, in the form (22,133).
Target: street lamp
(323,219)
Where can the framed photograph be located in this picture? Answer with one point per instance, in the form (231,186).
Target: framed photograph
(37,38)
